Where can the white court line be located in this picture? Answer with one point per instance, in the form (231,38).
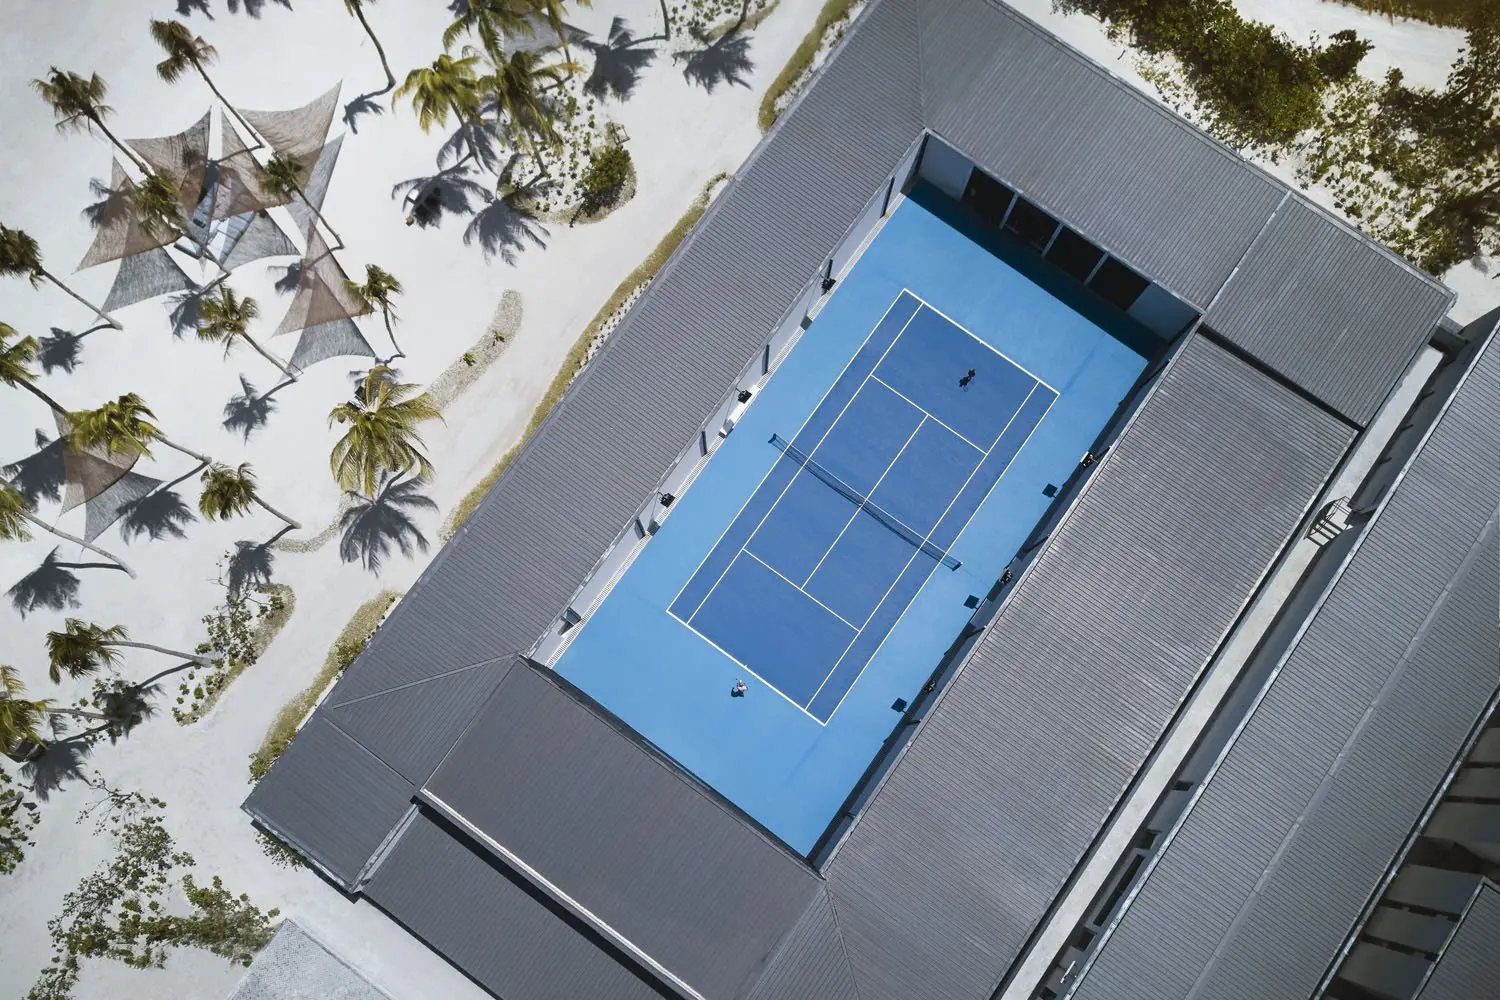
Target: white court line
(935,420)
(858,507)
(751,495)
(773,569)
(899,618)
(935,525)
(971,333)
(732,659)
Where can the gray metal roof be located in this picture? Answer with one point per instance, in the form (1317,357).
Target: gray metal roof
(1154,192)
(813,961)
(1293,830)
(626,833)
(1284,307)
(511,940)
(1076,678)
(1470,966)
(337,821)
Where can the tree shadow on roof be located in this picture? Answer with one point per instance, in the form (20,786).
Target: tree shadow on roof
(42,474)
(618,62)
(373,527)
(163,514)
(505,230)
(426,200)
(724,60)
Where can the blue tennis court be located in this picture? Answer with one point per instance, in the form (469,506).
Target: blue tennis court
(836,542)
(863,505)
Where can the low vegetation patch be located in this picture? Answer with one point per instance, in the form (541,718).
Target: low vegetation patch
(239,632)
(579,353)
(831,18)
(130,910)
(18,818)
(345,648)
(604,181)
(1449,13)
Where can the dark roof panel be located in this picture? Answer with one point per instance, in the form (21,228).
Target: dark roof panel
(1469,967)
(1028,108)
(510,940)
(1076,678)
(339,822)
(812,961)
(1336,314)
(624,832)
(1292,832)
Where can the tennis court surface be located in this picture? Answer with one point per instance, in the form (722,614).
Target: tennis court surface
(834,545)
(863,505)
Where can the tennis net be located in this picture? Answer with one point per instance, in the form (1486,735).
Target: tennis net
(863,502)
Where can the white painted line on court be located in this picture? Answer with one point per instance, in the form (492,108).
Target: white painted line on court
(929,413)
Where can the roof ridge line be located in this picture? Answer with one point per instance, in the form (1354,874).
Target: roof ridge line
(419,683)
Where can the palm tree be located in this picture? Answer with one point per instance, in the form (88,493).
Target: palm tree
(448,86)
(122,426)
(283,176)
(15,363)
(155,206)
(552,12)
(230,492)
(78,105)
(15,515)
(357,8)
(21,257)
(516,85)
(382,436)
(83,648)
(20,718)
(185,49)
(377,290)
(492,21)
(226,317)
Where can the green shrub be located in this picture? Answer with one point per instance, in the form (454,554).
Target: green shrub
(608,171)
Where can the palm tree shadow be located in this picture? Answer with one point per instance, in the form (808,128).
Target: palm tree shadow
(458,8)
(158,515)
(185,8)
(185,309)
(60,762)
(59,350)
(290,276)
(725,60)
(254,7)
(42,474)
(504,229)
(372,527)
(249,410)
(249,566)
(364,104)
(450,191)
(618,63)
(471,141)
(51,585)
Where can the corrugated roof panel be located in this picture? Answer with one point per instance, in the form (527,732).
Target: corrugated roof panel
(1271,866)
(1017,766)
(493,926)
(623,832)
(1470,966)
(1333,312)
(1179,207)
(811,962)
(428,715)
(331,798)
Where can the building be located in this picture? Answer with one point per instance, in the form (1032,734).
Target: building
(1193,742)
